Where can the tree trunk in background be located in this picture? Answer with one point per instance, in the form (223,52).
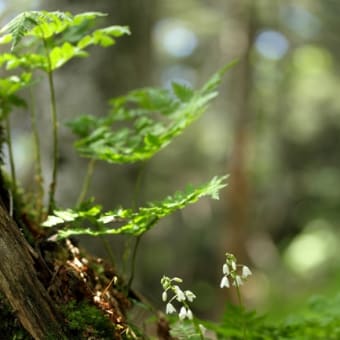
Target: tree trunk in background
(20,284)
(238,202)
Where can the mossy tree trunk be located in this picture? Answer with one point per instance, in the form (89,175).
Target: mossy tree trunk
(20,284)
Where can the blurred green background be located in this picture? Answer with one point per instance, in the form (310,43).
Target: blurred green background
(275,128)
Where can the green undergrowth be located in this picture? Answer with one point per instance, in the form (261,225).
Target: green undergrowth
(319,321)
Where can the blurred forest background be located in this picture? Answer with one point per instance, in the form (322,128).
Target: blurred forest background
(275,128)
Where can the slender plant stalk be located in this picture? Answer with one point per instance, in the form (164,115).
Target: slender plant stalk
(133,261)
(108,250)
(38,167)
(134,253)
(198,329)
(243,316)
(136,245)
(55,128)
(53,185)
(87,181)
(138,186)
(81,199)
(11,155)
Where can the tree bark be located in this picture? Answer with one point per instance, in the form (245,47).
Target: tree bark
(20,284)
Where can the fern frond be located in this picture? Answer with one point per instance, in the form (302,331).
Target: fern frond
(19,26)
(130,222)
(155,117)
(38,23)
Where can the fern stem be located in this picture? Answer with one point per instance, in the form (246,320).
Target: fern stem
(81,199)
(53,185)
(134,203)
(133,261)
(38,167)
(55,128)
(135,251)
(11,154)
(108,250)
(138,186)
(87,181)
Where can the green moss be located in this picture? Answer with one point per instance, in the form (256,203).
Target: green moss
(84,320)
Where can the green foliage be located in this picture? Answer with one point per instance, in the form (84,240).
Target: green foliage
(8,88)
(183,330)
(143,122)
(137,126)
(65,36)
(133,223)
(46,41)
(320,321)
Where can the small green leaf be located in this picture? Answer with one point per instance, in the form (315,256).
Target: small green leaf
(182,92)
(52,221)
(5,39)
(61,55)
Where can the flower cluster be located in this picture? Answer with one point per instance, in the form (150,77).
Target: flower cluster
(237,273)
(183,297)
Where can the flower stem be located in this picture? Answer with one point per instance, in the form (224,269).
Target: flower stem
(243,315)
(198,329)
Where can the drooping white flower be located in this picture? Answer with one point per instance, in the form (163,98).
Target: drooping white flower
(238,281)
(182,313)
(164,296)
(225,282)
(179,293)
(245,272)
(189,314)
(225,269)
(170,308)
(190,295)
(233,265)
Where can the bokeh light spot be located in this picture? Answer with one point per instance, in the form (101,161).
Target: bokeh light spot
(175,38)
(271,44)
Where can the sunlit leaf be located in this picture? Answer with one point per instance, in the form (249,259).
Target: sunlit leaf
(70,34)
(61,55)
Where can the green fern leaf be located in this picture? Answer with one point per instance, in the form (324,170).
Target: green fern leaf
(128,221)
(40,23)
(154,116)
